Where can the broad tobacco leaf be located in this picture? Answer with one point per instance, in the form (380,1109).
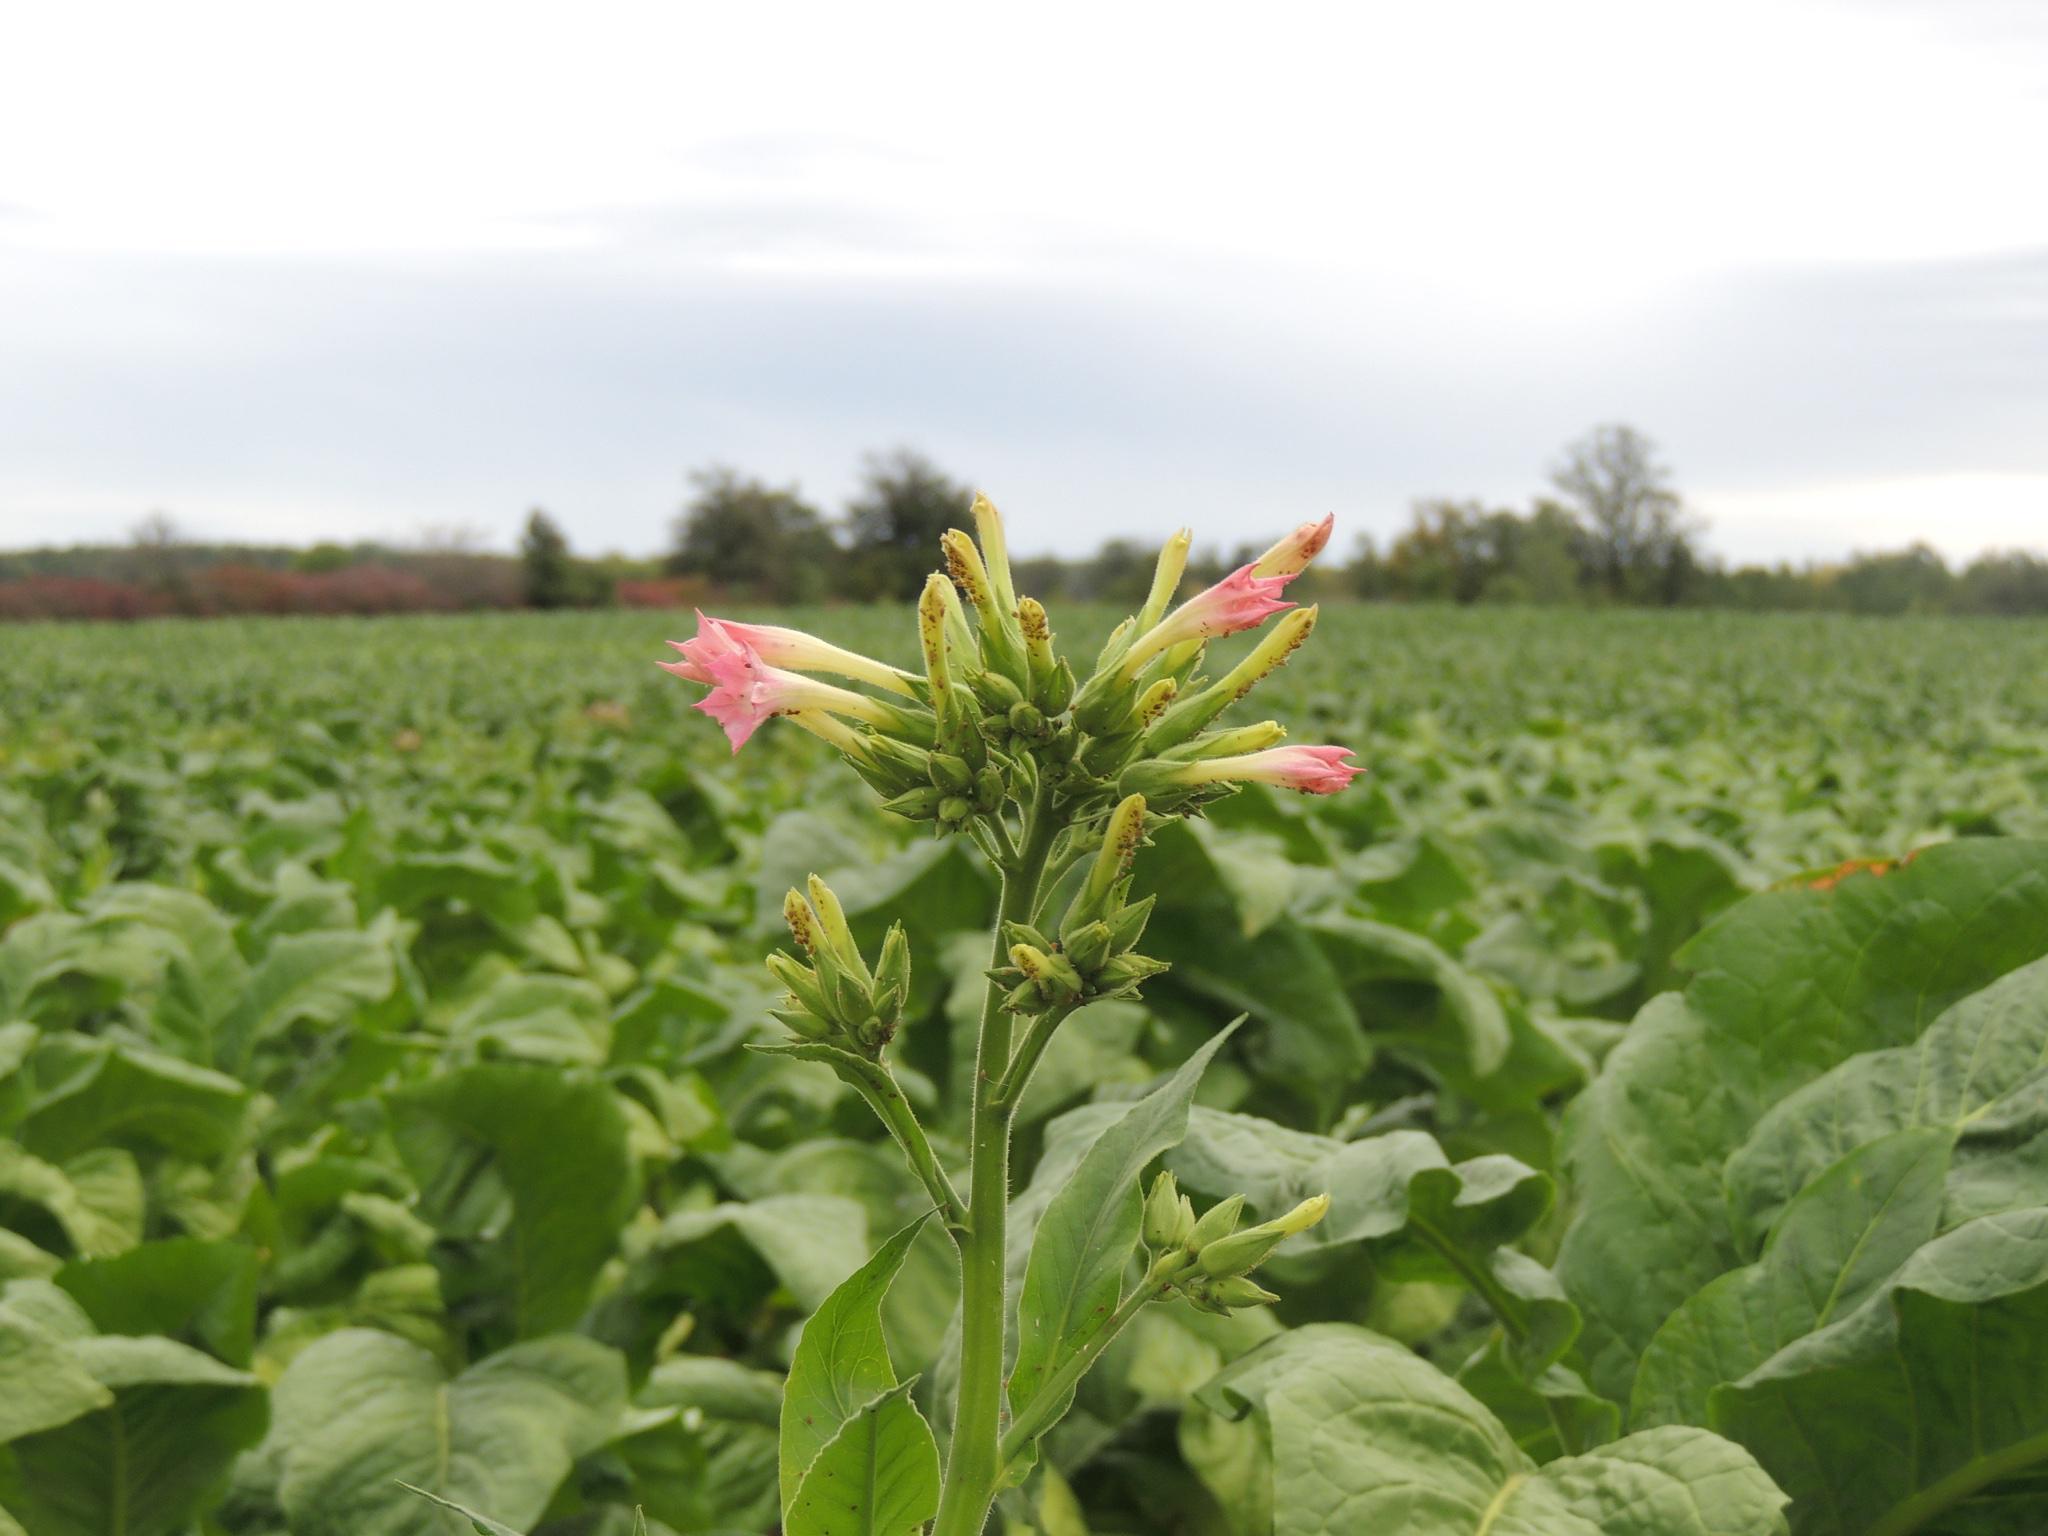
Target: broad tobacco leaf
(360,1414)
(111,1435)
(1090,1228)
(1365,1436)
(1786,986)
(557,1145)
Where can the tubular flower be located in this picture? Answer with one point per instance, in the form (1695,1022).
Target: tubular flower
(745,690)
(1315,770)
(1240,600)
(1290,557)
(791,649)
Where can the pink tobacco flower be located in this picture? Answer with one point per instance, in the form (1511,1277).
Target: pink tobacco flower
(1240,600)
(1291,556)
(790,649)
(1316,770)
(746,690)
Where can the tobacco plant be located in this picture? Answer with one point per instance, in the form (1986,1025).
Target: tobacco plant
(1058,779)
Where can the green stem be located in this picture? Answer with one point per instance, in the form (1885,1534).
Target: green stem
(1501,1304)
(973,1464)
(1010,1088)
(887,1100)
(1052,1399)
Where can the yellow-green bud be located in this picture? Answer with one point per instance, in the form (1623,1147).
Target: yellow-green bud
(834,930)
(892,972)
(1240,1292)
(1168,1217)
(1166,575)
(803,923)
(1244,1251)
(1219,1221)
(1120,839)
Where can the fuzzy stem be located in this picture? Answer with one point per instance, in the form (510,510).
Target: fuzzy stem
(974,1463)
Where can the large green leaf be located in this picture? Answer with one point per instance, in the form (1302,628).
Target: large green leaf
(808,1244)
(180,1285)
(95,1093)
(1838,1241)
(1786,985)
(137,1457)
(1367,1437)
(94,1201)
(359,1413)
(878,1476)
(1909,1413)
(841,1362)
(323,977)
(1084,1241)
(550,1146)
(1988,1047)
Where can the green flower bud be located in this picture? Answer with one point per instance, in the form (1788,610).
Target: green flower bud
(998,692)
(803,923)
(1127,971)
(916,804)
(1024,933)
(892,971)
(1219,1221)
(988,791)
(1128,926)
(1168,1217)
(1240,1292)
(838,937)
(954,811)
(1244,1251)
(1027,721)
(1120,838)
(1166,576)
(951,773)
(803,1023)
(801,982)
(1089,947)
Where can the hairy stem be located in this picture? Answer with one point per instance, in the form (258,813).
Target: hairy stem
(973,1464)
(1017,1076)
(886,1099)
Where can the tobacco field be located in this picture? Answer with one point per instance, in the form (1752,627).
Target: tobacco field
(1666,1015)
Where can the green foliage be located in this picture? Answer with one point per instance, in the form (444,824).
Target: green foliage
(372,1011)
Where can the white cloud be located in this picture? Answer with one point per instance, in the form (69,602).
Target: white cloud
(252,251)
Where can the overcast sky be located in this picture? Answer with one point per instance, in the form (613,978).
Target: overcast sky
(293,272)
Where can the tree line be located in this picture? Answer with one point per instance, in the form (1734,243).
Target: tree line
(1611,528)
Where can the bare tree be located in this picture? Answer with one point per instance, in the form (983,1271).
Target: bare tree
(158,530)
(1638,528)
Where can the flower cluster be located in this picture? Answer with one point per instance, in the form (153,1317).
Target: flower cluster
(1207,1259)
(997,715)
(835,997)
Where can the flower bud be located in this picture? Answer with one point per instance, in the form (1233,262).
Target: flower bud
(1191,715)
(801,982)
(803,923)
(1168,1219)
(916,804)
(1128,926)
(1166,575)
(988,527)
(1119,975)
(836,935)
(1219,1221)
(1089,947)
(988,791)
(1240,1292)
(803,1023)
(954,811)
(1246,738)
(1027,721)
(1024,933)
(1291,556)
(1120,839)
(892,971)
(1244,1251)
(951,773)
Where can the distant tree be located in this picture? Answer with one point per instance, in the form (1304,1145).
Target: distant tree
(1913,580)
(1640,534)
(1120,572)
(2008,581)
(158,530)
(546,571)
(743,535)
(893,525)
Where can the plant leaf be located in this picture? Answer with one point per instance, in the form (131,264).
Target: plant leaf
(879,1476)
(1368,1437)
(1084,1241)
(841,1361)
